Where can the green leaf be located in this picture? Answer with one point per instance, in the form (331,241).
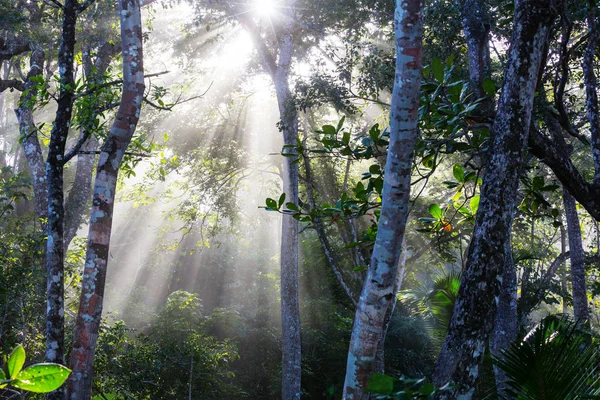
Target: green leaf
(292,206)
(459,173)
(474,204)
(436,211)
(42,378)
(341,123)
(329,130)
(437,68)
(381,384)
(15,361)
(281,200)
(489,87)
(375,169)
(346,138)
(271,204)
(2,378)
(360,268)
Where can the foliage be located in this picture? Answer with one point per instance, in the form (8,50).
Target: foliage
(37,378)
(557,360)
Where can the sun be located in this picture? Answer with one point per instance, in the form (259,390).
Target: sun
(264,8)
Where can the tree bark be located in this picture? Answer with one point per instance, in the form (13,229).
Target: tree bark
(378,293)
(506,324)
(55,327)
(474,312)
(111,155)
(580,301)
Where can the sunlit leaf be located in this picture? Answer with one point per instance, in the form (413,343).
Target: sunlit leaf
(436,211)
(459,173)
(474,204)
(2,378)
(15,361)
(41,378)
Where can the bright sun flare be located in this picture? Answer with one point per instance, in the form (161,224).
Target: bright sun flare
(264,8)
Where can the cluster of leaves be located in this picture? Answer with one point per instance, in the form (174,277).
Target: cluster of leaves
(37,378)
(557,360)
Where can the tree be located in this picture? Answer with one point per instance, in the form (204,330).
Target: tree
(472,320)
(379,290)
(112,152)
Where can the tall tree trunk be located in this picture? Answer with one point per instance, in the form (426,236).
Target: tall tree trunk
(378,293)
(563,269)
(55,327)
(474,312)
(580,301)
(476,25)
(112,152)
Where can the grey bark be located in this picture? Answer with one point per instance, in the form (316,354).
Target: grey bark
(378,293)
(589,78)
(580,301)
(474,312)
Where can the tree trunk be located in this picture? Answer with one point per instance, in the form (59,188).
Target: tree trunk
(580,301)
(113,150)
(476,25)
(506,324)
(378,293)
(55,322)
(28,134)
(474,312)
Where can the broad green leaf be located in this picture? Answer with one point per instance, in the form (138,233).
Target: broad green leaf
(281,200)
(272,204)
(437,68)
(291,206)
(329,130)
(346,138)
(42,378)
(474,204)
(489,86)
(381,384)
(375,169)
(436,211)
(15,361)
(2,378)
(459,173)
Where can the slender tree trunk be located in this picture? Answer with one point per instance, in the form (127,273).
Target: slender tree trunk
(474,312)
(28,134)
(580,301)
(55,322)
(378,293)
(94,276)
(476,25)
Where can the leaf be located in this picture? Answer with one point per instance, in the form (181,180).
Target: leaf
(474,204)
(281,200)
(2,378)
(340,124)
(329,130)
(459,173)
(15,361)
(375,169)
(437,68)
(436,211)
(292,206)
(489,87)
(271,204)
(360,268)
(381,384)
(42,378)
(346,138)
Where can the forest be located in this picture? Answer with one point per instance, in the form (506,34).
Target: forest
(285,199)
